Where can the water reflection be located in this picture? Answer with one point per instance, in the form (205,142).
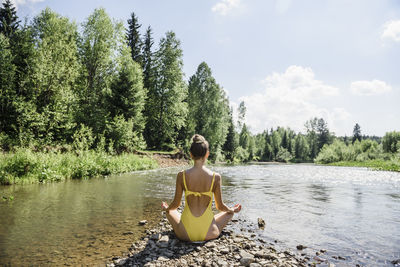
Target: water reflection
(319,192)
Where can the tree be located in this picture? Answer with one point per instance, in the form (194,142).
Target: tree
(244,137)
(391,142)
(168,111)
(241,114)
(205,99)
(98,48)
(322,133)
(150,86)
(7,90)
(356,133)
(9,22)
(312,137)
(301,149)
(230,145)
(133,37)
(47,107)
(127,98)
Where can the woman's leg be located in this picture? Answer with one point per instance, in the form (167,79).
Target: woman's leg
(219,222)
(174,218)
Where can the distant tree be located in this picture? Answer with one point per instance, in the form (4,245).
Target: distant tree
(134,41)
(391,142)
(241,114)
(230,145)
(301,148)
(356,133)
(244,137)
(285,141)
(9,22)
(322,133)
(312,138)
(268,152)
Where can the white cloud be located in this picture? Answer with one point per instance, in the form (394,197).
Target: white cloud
(369,88)
(225,6)
(18,3)
(288,101)
(392,30)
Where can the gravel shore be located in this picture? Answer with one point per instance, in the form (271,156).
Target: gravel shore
(160,247)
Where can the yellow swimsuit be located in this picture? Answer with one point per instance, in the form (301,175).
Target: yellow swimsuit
(197,227)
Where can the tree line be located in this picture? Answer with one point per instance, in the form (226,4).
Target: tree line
(100,84)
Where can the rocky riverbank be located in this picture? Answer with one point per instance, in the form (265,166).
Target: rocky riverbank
(160,247)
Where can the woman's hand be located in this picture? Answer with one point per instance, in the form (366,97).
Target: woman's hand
(164,206)
(237,208)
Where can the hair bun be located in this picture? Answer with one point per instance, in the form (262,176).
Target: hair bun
(198,139)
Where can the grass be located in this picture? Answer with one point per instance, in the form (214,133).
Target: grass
(25,166)
(151,152)
(377,164)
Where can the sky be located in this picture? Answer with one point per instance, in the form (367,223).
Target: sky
(288,60)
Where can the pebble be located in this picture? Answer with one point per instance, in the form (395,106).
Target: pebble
(261,223)
(142,222)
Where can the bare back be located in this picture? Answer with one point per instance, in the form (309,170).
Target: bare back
(198,180)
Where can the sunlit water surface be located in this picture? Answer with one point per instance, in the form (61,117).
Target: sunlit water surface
(350,212)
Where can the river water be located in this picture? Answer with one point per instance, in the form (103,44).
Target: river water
(350,212)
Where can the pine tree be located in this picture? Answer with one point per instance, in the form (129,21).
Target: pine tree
(128,96)
(9,22)
(323,133)
(149,85)
(7,90)
(230,145)
(134,40)
(356,133)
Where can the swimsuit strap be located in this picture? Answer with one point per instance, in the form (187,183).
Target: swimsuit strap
(197,194)
(212,183)
(184,181)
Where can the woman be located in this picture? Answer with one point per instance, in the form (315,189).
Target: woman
(198,222)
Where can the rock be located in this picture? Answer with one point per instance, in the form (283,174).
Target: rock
(224,250)
(142,222)
(164,239)
(261,223)
(246,258)
(331,265)
(254,264)
(210,244)
(162,258)
(155,236)
(395,261)
(221,262)
(323,250)
(301,247)
(120,262)
(128,233)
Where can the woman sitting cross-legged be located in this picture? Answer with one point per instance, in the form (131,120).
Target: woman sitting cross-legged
(197,222)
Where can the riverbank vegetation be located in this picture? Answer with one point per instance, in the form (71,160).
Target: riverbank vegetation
(108,90)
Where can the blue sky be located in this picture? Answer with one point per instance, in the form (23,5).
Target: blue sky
(288,60)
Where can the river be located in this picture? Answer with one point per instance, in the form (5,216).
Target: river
(350,212)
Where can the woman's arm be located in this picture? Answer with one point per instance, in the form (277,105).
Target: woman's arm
(178,193)
(219,204)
